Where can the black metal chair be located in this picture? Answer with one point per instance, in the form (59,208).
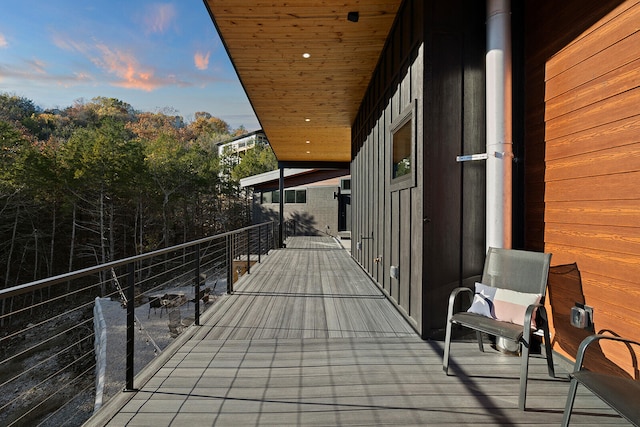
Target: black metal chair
(621,394)
(513,270)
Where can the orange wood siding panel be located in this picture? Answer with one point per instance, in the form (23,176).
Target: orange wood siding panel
(592,176)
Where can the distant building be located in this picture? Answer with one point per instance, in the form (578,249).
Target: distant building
(243,143)
(316,201)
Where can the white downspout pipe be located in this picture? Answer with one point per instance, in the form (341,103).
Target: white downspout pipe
(499,138)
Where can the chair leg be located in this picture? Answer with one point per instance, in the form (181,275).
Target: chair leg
(570,399)
(480,343)
(524,374)
(447,348)
(549,352)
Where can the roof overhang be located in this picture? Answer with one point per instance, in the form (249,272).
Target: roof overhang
(306,106)
(271,176)
(295,178)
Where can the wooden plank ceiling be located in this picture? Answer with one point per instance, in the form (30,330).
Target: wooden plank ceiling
(305,105)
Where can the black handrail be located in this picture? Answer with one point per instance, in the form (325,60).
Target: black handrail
(22,324)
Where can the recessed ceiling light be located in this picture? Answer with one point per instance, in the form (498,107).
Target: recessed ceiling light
(306,55)
(308,152)
(307,119)
(308,142)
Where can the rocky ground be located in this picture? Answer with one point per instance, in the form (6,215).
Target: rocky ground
(152,336)
(152,332)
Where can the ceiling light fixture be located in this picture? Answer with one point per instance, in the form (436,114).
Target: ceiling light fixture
(308,142)
(307,119)
(306,55)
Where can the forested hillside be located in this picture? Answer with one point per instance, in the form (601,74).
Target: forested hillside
(98,181)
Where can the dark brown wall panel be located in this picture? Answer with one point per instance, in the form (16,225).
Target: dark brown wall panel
(390,214)
(454,221)
(602,34)
(605,111)
(563,96)
(406,213)
(591,104)
(434,63)
(549,27)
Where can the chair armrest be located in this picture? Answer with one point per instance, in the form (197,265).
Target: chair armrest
(528,315)
(597,337)
(454,296)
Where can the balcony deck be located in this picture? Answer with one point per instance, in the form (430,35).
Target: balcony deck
(308,339)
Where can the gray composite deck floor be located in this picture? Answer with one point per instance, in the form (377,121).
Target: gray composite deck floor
(308,339)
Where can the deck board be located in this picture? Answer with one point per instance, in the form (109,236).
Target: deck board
(308,339)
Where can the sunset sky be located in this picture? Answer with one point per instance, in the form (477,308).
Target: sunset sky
(150,54)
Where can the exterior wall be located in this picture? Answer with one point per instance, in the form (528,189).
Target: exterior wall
(454,213)
(320,213)
(318,216)
(385,220)
(433,229)
(584,117)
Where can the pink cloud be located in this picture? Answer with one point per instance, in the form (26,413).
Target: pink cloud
(37,66)
(127,70)
(3,41)
(125,66)
(201,60)
(159,17)
(36,72)
(66,43)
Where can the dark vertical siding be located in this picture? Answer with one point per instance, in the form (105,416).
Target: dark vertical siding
(393,218)
(433,63)
(442,237)
(472,201)
(454,124)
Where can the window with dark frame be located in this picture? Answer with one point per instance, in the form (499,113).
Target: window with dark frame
(402,150)
(290,196)
(402,143)
(267,197)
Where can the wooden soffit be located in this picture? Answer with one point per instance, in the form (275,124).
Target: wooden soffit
(299,99)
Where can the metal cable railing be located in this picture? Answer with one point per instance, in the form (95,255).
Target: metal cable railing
(48,367)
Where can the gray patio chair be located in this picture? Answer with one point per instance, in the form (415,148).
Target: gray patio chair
(512,270)
(621,394)
(175,323)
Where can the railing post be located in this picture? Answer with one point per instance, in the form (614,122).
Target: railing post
(229,264)
(248,250)
(271,236)
(259,242)
(281,209)
(131,317)
(197,278)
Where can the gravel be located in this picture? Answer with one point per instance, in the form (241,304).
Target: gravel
(152,332)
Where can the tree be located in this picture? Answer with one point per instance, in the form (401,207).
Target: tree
(148,126)
(104,164)
(15,109)
(257,160)
(209,124)
(207,131)
(12,145)
(99,181)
